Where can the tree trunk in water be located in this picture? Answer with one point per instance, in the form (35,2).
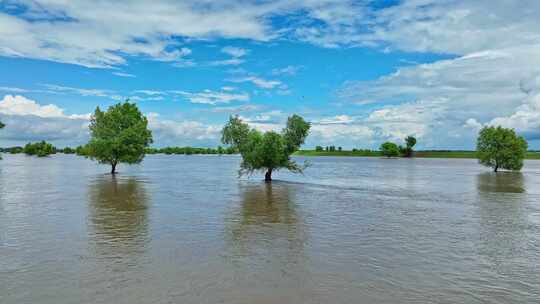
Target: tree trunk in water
(268,176)
(113,168)
(496,168)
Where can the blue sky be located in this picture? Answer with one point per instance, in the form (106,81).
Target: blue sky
(362,72)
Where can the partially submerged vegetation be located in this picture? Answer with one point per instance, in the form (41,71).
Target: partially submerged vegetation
(389,149)
(269,151)
(501,148)
(119,135)
(40,149)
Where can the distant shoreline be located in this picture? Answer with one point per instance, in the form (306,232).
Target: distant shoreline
(418,154)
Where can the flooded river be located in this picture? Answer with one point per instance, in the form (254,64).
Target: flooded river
(185,229)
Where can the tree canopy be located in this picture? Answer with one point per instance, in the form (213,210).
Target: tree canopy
(410,142)
(389,149)
(269,151)
(1,127)
(501,148)
(40,149)
(119,135)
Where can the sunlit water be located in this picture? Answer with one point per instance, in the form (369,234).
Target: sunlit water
(185,229)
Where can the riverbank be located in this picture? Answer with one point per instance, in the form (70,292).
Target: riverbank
(422,154)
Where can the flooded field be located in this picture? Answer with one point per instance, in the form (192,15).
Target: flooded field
(185,229)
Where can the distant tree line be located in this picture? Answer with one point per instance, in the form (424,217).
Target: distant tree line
(328,149)
(191,150)
(121,135)
(83,150)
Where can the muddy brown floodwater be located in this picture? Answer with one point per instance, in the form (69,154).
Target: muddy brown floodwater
(185,229)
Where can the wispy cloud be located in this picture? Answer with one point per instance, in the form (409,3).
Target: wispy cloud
(150,92)
(79,91)
(289,70)
(122,74)
(212,97)
(235,109)
(13,90)
(234,51)
(259,82)
(232,61)
(236,54)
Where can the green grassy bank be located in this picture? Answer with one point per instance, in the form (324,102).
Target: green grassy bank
(426,154)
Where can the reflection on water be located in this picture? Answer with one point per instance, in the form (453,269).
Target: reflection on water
(503,221)
(267,226)
(512,182)
(118,216)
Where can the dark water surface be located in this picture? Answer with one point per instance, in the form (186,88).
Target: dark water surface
(184,229)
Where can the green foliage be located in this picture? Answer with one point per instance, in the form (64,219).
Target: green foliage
(12,150)
(189,150)
(68,150)
(1,127)
(319,149)
(82,150)
(389,149)
(410,142)
(40,149)
(501,148)
(268,151)
(119,135)
(354,152)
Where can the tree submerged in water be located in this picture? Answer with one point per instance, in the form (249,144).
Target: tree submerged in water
(501,148)
(119,135)
(269,151)
(389,149)
(1,127)
(410,142)
(40,149)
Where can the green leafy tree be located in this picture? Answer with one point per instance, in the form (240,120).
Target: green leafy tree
(40,149)
(119,135)
(1,127)
(82,150)
(268,151)
(389,149)
(410,142)
(319,149)
(68,150)
(501,148)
